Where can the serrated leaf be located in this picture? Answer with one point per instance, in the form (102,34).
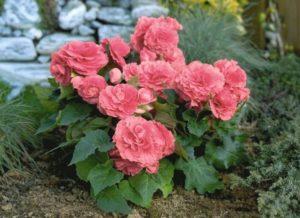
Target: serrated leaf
(74,112)
(110,200)
(188,143)
(98,122)
(224,156)
(199,175)
(171,95)
(195,126)
(66,92)
(47,124)
(139,189)
(83,168)
(97,139)
(103,176)
(164,177)
(166,114)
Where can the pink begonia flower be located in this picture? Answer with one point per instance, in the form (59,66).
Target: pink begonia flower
(115,76)
(234,75)
(118,48)
(143,142)
(223,105)
(199,82)
(85,58)
(242,94)
(146,96)
(156,75)
(176,58)
(118,101)
(128,167)
(137,38)
(147,55)
(130,70)
(89,87)
(162,35)
(59,69)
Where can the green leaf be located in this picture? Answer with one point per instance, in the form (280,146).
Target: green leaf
(195,126)
(47,124)
(74,112)
(75,130)
(166,114)
(110,200)
(188,143)
(199,175)
(171,95)
(97,139)
(139,189)
(83,168)
(98,122)
(226,155)
(164,177)
(66,92)
(103,176)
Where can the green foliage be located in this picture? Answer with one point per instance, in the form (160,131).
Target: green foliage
(199,175)
(275,158)
(74,112)
(16,134)
(48,13)
(207,38)
(92,141)
(103,176)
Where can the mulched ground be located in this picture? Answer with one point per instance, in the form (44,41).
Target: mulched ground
(40,193)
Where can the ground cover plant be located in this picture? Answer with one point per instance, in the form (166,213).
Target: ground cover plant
(138,115)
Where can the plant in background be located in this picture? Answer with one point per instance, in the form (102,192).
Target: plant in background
(16,134)
(48,12)
(135,117)
(217,38)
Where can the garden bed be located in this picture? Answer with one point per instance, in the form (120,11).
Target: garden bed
(46,193)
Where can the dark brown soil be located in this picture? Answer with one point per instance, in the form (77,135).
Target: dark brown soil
(40,194)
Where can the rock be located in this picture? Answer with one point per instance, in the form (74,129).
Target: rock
(21,14)
(33,33)
(149,11)
(7,207)
(51,43)
(92,4)
(115,15)
(125,3)
(96,24)
(2,21)
(107,31)
(72,14)
(137,3)
(5,31)
(105,2)
(16,49)
(19,74)
(91,14)
(85,30)
(44,59)
(17,33)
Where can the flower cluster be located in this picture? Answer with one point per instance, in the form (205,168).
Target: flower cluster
(127,91)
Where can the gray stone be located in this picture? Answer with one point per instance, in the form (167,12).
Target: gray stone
(72,15)
(5,31)
(2,22)
(93,4)
(105,2)
(91,14)
(125,3)
(136,3)
(53,42)
(44,59)
(16,49)
(96,24)
(85,30)
(149,11)
(17,33)
(21,74)
(108,31)
(33,33)
(21,14)
(115,15)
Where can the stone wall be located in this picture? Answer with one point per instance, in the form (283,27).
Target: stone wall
(25,48)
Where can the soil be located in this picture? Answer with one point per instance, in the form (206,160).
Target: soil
(43,193)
